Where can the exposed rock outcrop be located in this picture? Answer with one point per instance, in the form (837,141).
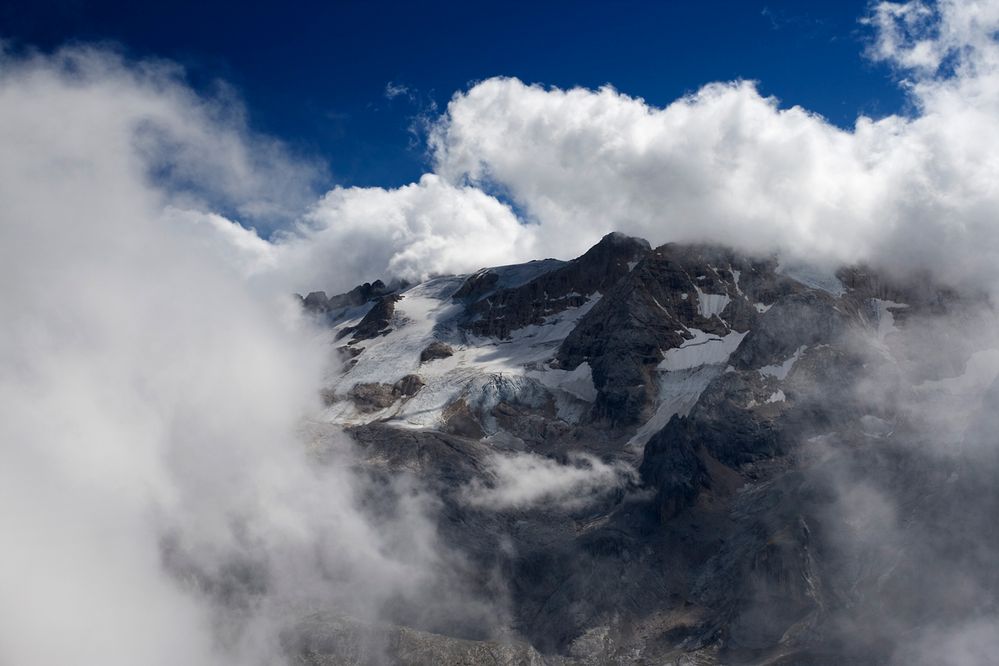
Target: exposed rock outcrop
(436,350)
(375,323)
(497,312)
(673,290)
(372,397)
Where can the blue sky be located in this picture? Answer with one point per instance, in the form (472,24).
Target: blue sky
(314,74)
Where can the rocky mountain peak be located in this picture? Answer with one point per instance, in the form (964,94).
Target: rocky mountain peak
(318,303)
(495,310)
(679,406)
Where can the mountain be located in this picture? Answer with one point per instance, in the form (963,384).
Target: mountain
(666,455)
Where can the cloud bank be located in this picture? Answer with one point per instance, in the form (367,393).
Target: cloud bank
(524,171)
(157,500)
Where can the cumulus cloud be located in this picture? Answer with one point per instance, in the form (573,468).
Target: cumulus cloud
(923,36)
(727,164)
(523,171)
(425,228)
(523,480)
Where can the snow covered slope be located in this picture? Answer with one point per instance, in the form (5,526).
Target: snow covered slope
(611,345)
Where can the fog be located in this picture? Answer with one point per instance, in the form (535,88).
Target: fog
(158,497)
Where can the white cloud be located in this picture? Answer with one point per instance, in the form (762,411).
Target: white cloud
(359,234)
(522,480)
(152,398)
(723,164)
(922,36)
(393,90)
(726,164)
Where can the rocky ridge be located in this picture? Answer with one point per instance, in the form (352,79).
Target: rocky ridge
(735,390)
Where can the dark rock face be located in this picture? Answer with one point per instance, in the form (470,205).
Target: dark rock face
(651,310)
(497,312)
(459,420)
(719,428)
(803,319)
(376,396)
(436,350)
(445,461)
(317,301)
(408,386)
(375,322)
(372,397)
(672,465)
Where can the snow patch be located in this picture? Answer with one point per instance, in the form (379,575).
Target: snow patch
(711,304)
(702,349)
(777,396)
(813,276)
(685,372)
(578,382)
(781,371)
(484,368)
(678,393)
(572,391)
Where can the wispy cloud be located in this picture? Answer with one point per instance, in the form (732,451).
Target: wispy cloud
(393,90)
(525,480)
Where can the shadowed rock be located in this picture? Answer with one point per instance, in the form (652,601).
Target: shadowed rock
(498,312)
(436,350)
(372,397)
(375,322)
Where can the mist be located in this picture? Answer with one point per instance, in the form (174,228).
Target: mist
(906,524)
(161,496)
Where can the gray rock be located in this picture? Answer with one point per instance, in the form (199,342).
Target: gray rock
(408,386)
(375,323)
(372,397)
(498,312)
(651,309)
(436,350)
(325,639)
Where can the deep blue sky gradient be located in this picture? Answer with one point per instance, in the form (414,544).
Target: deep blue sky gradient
(314,74)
